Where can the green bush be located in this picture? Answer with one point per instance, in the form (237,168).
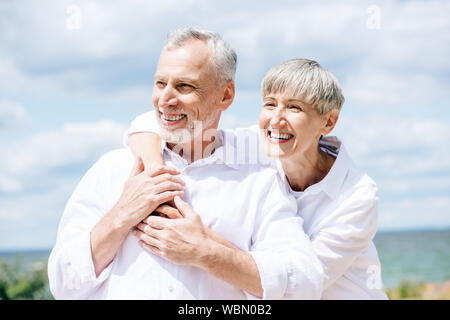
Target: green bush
(30,284)
(407,289)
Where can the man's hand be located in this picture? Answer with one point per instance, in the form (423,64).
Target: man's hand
(186,241)
(145,190)
(182,241)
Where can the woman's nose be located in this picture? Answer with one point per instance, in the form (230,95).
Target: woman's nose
(277,120)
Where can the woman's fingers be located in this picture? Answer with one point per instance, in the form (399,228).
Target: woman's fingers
(158,170)
(166,177)
(169,211)
(168,196)
(167,186)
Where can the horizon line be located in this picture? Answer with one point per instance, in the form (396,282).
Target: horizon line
(382,231)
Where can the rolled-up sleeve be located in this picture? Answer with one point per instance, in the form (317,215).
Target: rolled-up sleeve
(70,268)
(287,264)
(349,230)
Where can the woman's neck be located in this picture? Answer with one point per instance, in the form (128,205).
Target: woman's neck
(307,168)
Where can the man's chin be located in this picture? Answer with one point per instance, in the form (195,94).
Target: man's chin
(180,136)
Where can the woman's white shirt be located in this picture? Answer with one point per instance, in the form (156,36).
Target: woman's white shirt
(340,217)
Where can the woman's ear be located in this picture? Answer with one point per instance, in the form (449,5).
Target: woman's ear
(331,117)
(227,92)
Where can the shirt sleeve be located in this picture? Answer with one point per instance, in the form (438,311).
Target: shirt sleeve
(287,264)
(347,231)
(70,268)
(145,122)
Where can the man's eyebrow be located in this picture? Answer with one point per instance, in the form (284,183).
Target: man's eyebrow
(186,79)
(180,79)
(158,77)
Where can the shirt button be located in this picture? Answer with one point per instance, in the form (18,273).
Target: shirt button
(187,170)
(171,288)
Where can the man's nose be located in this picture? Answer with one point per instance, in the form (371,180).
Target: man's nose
(167,98)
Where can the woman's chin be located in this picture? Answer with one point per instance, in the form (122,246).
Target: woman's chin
(276,151)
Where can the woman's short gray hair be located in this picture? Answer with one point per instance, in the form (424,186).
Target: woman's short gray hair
(223,57)
(302,77)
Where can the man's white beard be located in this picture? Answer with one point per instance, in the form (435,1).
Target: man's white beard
(192,132)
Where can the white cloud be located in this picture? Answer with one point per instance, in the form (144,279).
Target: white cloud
(231,121)
(413,213)
(402,62)
(397,144)
(409,161)
(11,113)
(73,143)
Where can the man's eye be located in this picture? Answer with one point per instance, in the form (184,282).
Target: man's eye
(185,87)
(160,84)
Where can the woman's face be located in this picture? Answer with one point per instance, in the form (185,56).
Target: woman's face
(290,125)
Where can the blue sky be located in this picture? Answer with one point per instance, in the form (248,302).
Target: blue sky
(69,87)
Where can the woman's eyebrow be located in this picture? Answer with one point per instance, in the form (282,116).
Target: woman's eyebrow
(297,100)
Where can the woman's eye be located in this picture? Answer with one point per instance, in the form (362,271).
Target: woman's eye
(294,107)
(269,105)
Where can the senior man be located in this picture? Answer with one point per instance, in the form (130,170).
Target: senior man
(110,247)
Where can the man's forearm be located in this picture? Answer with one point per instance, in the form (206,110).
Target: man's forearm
(106,239)
(232,265)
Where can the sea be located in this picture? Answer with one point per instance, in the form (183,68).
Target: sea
(407,255)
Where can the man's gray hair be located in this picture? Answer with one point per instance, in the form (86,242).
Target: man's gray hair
(223,57)
(302,77)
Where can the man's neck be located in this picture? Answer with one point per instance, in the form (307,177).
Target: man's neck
(198,148)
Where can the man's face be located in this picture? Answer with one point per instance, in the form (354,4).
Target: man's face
(185,92)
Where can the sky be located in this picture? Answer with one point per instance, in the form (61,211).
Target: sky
(74,74)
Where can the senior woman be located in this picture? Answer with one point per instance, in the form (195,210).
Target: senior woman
(337,201)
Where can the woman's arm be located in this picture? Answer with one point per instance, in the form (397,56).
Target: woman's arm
(147,146)
(143,139)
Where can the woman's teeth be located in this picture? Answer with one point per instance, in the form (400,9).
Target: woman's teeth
(280,136)
(173,118)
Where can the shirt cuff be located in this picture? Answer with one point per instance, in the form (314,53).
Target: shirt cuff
(273,274)
(80,266)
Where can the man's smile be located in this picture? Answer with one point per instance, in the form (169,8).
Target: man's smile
(170,119)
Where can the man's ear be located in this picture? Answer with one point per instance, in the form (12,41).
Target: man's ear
(226,97)
(331,117)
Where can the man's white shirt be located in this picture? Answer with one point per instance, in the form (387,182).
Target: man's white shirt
(340,215)
(247,204)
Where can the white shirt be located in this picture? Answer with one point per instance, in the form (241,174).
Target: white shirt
(340,217)
(231,200)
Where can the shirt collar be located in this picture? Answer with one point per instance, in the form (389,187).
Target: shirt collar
(332,183)
(224,154)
